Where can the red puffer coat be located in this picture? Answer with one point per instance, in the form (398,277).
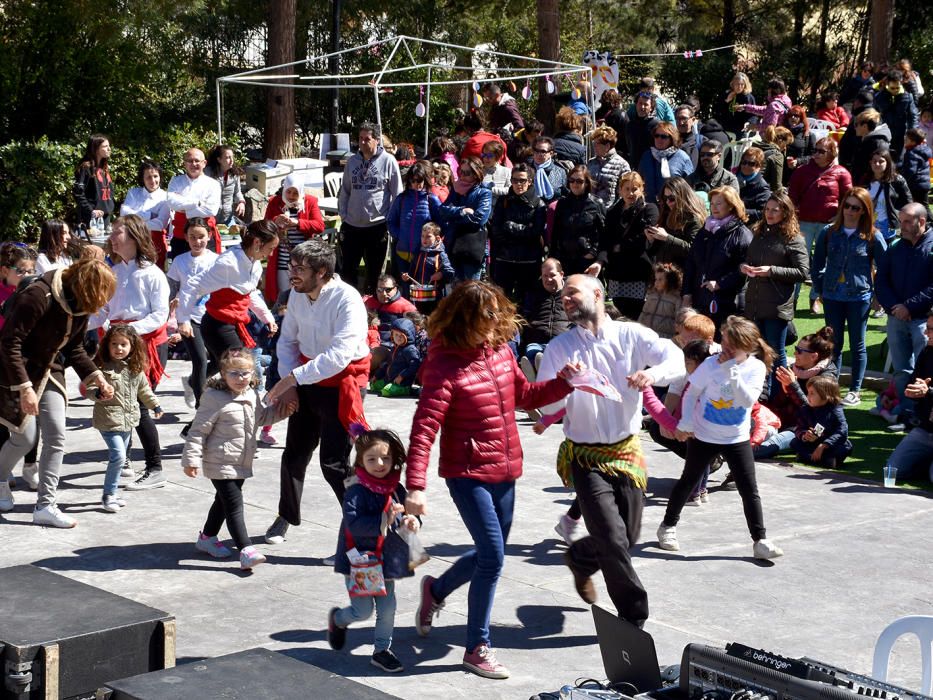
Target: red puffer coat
(471,396)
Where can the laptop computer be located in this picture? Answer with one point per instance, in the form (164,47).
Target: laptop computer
(628,652)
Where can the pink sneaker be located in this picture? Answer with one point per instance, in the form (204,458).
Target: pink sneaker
(266,437)
(427,608)
(483,662)
(250,558)
(211,546)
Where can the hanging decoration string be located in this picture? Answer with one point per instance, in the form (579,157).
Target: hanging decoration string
(694,53)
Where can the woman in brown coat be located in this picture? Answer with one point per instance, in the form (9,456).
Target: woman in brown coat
(44,332)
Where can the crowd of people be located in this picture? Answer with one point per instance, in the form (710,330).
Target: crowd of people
(502,271)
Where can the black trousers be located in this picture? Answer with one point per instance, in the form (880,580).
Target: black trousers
(147,431)
(517,279)
(218,337)
(742,465)
(314,423)
(612,507)
(201,367)
(227,507)
(676,446)
(369,244)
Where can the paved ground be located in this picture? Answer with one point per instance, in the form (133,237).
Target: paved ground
(858,556)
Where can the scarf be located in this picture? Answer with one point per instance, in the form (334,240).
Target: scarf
(461,187)
(384,486)
(543,187)
(623,457)
(713,224)
(815,370)
(743,179)
(663,158)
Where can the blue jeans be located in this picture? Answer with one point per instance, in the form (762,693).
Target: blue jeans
(810,230)
(486,510)
(467,271)
(905,341)
(914,454)
(118,443)
(774,445)
(774,332)
(532,350)
(362,608)
(853,314)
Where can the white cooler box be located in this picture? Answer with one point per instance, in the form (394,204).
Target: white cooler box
(267,177)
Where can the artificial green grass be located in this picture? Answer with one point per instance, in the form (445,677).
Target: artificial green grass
(871,444)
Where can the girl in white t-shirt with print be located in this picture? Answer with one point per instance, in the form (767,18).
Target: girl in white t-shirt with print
(716,419)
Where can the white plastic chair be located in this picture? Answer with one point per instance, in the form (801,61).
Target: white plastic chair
(922,627)
(332,182)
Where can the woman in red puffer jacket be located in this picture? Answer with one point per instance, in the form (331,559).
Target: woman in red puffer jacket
(471,386)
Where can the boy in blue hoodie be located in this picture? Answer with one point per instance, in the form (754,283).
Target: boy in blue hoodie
(915,166)
(395,376)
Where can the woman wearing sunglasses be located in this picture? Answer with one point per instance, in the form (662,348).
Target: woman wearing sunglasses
(663,160)
(845,253)
(816,188)
(579,219)
(681,214)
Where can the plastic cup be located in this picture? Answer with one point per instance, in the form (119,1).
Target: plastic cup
(890,476)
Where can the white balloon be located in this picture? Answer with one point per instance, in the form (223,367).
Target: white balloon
(550,87)
(526,92)
(419,110)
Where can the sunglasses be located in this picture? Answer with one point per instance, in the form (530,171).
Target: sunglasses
(750,163)
(487,156)
(670,198)
(801,349)
(520,180)
(239,374)
(709,154)
(852,207)
(666,137)
(576,181)
(542,151)
(385,289)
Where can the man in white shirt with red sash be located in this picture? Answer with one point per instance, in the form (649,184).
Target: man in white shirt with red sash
(193,194)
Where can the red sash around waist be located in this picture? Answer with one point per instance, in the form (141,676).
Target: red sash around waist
(349,381)
(153,340)
(229,306)
(180,220)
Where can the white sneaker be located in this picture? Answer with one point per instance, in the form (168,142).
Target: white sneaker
(667,537)
(211,546)
(31,475)
(6,498)
(766,549)
(250,558)
(695,501)
(112,504)
(853,398)
(189,392)
(53,517)
(569,529)
(527,369)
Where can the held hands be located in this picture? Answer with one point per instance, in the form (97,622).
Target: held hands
(416,503)
(396,510)
(918,388)
(174,339)
(273,327)
(191,471)
(284,390)
(538,428)
(184,330)
(640,380)
(411,522)
(106,390)
(683,435)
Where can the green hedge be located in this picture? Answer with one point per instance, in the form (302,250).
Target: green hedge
(36,178)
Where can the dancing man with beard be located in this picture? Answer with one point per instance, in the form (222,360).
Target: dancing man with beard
(324,363)
(601,454)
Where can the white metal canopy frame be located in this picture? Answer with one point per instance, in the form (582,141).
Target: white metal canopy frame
(400,59)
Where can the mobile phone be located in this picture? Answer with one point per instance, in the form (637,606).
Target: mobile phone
(818,430)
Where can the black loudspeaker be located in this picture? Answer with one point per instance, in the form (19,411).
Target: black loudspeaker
(63,639)
(254,674)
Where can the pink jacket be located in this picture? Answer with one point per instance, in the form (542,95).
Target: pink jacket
(771,113)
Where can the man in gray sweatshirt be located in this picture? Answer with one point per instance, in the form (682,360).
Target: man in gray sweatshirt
(371,181)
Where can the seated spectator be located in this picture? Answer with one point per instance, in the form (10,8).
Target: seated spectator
(813,357)
(710,174)
(663,300)
(623,256)
(516,236)
(915,167)
(663,160)
(430,271)
(713,282)
(422,340)
(606,166)
(821,437)
(680,218)
(373,339)
(888,190)
(396,374)
(545,316)
(913,455)
(753,189)
(550,178)
(568,136)
(579,219)
(297,217)
(409,212)
(832,112)
(389,305)
(495,175)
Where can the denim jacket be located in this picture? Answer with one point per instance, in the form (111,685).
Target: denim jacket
(841,269)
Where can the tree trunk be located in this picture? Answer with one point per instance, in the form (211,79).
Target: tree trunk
(821,51)
(549,50)
(279,140)
(800,10)
(882,22)
(728,21)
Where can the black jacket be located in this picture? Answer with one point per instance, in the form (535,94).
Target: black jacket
(578,226)
(623,246)
(712,129)
(717,256)
(516,228)
(923,408)
(92,189)
(545,315)
(850,140)
(879,138)
(569,146)
(900,113)
(896,195)
(676,247)
(754,194)
(638,137)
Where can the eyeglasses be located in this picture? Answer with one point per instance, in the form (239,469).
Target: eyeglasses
(801,349)
(487,156)
(750,163)
(520,180)
(709,154)
(385,289)
(820,151)
(576,181)
(542,151)
(23,272)
(670,199)
(852,207)
(239,374)
(193,160)
(666,137)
